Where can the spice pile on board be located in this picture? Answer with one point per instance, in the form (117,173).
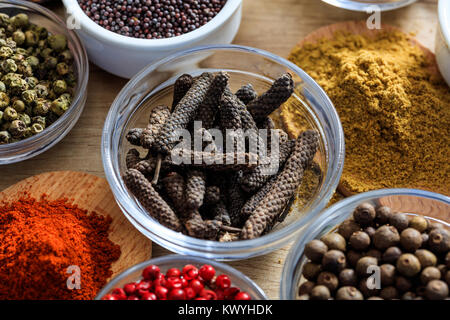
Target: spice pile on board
(412,254)
(156,19)
(41,239)
(394,111)
(216,198)
(36,78)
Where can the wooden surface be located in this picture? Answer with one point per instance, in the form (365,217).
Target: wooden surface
(273,25)
(90,193)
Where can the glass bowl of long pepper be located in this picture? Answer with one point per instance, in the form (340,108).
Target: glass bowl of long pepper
(177,277)
(153,89)
(434,207)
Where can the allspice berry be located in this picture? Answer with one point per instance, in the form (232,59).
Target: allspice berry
(383,214)
(374,253)
(349,293)
(353,257)
(329,280)
(436,290)
(375,298)
(347,228)
(387,274)
(363,265)
(439,240)
(334,261)
(426,258)
(428,274)
(391,255)
(320,293)
(306,288)
(447,259)
(408,265)
(315,249)
(403,284)
(370,231)
(359,240)
(389,293)
(408,295)
(348,277)
(419,223)
(311,270)
(364,214)
(399,220)
(385,237)
(368,288)
(410,239)
(447,277)
(334,241)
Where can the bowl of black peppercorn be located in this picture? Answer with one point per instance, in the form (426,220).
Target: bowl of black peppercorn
(122,37)
(388,244)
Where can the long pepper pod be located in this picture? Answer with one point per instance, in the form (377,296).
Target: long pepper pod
(272,99)
(181,86)
(158,117)
(195,189)
(183,113)
(199,228)
(134,136)
(150,199)
(284,185)
(132,158)
(246,93)
(174,185)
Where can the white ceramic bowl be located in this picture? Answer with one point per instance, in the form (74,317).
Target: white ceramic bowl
(443,40)
(365,5)
(125,56)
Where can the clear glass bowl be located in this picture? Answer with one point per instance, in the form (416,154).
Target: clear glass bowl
(431,205)
(364,5)
(28,148)
(154,86)
(134,273)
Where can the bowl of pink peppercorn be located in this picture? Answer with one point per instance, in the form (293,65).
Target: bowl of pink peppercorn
(177,277)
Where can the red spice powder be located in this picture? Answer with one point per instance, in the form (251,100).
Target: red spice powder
(40,239)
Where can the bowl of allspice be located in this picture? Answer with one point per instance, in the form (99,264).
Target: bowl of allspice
(388,244)
(199,161)
(44,72)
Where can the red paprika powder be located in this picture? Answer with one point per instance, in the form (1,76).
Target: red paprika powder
(40,239)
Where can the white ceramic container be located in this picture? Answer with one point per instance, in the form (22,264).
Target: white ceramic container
(125,56)
(442,48)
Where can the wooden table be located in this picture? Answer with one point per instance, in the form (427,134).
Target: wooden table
(273,25)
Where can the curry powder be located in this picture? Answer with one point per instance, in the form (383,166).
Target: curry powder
(395,112)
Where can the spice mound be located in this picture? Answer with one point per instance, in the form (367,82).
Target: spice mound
(379,254)
(42,244)
(394,112)
(155,19)
(234,176)
(189,283)
(36,78)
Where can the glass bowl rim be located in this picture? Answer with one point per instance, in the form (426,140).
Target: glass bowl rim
(174,258)
(272,239)
(82,82)
(362,7)
(335,210)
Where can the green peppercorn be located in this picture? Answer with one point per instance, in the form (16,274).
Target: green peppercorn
(9,65)
(46,52)
(20,20)
(65,56)
(36,128)
(59,105)
(59,87)
(2,86)
(32,82)
(25,118)
(41,90)
(18,85)
(4,100)
(4,137)
(1,116)
(19,37)
(17,128)
(4,19)
(32,61)
(70,79)
(29,96)
(50,63)
(18,105)
(62,68)
(25,69)
(57,42)
(40,120)
(42,107)
(6,52)
(31,38)
(9,114)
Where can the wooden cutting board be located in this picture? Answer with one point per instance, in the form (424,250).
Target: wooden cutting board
(90,193)
(357,27)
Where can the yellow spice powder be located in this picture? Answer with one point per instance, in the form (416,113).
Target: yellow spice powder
(395,113)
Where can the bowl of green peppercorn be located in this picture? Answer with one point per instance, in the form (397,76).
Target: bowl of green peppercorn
(43,80)
(385,244)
